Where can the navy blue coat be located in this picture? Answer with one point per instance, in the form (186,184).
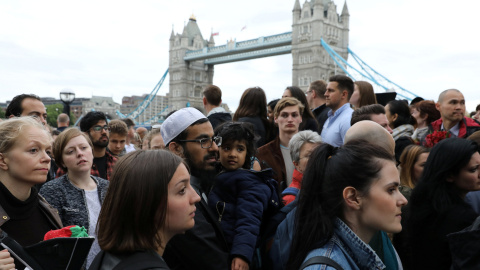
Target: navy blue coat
(239,199)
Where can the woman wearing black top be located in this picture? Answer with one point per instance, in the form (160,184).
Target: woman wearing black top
(253,109)
(437,205)
(25,148)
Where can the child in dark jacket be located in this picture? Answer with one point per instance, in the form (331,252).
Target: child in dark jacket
(240,196)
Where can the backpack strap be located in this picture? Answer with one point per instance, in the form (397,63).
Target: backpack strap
(321,260)
(140,260)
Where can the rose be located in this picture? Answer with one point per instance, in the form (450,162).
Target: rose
(433,138)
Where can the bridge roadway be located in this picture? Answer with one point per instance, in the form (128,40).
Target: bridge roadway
(238,51)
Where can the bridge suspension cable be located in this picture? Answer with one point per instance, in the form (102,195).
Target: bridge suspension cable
(145,103)
(365,72)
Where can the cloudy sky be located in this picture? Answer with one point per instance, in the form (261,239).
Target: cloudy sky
(120,48)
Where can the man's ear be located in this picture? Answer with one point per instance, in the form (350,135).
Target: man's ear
(176,148)
(3,162)
(204,101)
(345,95)
(352,198)
(437,106)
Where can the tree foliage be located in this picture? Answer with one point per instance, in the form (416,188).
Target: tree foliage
(53,111)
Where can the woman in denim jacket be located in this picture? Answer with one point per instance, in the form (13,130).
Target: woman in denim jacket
(348,194)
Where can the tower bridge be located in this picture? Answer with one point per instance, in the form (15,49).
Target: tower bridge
(318,44)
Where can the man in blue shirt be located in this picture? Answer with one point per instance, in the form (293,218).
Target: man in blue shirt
(339,91)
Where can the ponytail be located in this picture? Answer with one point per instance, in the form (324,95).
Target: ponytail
(329,171)
(312,222)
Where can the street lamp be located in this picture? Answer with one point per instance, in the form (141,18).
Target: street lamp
(67,98)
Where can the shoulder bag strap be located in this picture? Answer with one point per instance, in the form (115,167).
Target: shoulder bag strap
(321,260)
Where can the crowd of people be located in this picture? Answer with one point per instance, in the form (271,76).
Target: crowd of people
(323,179)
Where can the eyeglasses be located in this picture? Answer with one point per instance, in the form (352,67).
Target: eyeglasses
(309,91)
(99,128)
(206,143)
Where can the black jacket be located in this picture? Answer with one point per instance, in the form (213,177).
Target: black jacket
(202,247)
(218,118)
(321,114)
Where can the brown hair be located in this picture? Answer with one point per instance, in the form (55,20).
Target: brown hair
(154,132)
(475,137)
(135,207)
(367,95)
(287,102)
(62,141)
(407,160)
(427,107)
(129,122)
(213,94)
(344,83)
(118,127)
(366,112)
(320,87)
(254,103)
(298,93)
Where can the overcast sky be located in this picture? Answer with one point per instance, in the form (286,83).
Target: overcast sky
(120,48)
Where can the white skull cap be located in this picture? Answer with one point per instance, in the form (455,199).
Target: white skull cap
(178,122)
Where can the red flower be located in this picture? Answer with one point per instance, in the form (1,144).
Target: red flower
(435,137)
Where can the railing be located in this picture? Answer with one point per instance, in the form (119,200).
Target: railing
(233,47)
(249,55)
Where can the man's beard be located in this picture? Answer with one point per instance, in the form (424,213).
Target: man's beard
(100,143)
(206,177)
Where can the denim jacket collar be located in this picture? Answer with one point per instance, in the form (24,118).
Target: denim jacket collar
(361,252)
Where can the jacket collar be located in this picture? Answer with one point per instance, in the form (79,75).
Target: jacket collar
(361,253)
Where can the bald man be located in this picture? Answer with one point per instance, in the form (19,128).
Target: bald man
(451,105)
(371,132)
(62,122)
(142,132)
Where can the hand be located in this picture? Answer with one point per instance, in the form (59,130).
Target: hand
(239,264)
(6,261)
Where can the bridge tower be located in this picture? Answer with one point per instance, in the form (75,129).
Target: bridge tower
(315,20)
(187,79)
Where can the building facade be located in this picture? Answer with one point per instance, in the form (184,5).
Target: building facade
(188,79)
(103,104)
(312,22)
(315,20)
(158,107)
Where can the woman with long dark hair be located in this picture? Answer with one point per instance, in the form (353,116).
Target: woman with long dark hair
(340,210)
(309,122)
(437,205)
(253,109)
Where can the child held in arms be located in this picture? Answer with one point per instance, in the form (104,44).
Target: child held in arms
(240,196)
